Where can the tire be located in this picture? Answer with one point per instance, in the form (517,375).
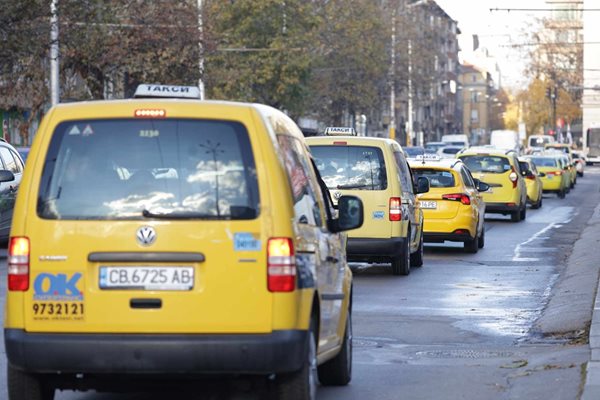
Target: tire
(562,194)
(24,386)
(401,264)
(416,258)
(338,370)
(472,245)
(482,238)
(302,384)
(515,216)
(524,213)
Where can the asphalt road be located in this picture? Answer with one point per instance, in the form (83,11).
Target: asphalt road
(460,327)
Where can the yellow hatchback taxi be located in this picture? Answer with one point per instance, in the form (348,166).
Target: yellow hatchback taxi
(500,170)
(168,237)
(533,181)
(556,179)
(453,209)
(375,170)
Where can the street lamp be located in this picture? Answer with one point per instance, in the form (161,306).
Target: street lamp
(54,63)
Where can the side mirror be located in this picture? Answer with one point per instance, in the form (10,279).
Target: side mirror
(6,176)
(541,174)
(482,186)
(422,185)
(350,211)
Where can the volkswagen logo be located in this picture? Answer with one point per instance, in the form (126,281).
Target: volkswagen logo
(337,195)
(146,235)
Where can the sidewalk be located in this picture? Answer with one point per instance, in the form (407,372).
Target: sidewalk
(586,251)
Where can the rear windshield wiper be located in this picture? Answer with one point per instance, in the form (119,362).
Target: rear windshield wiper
(355,186)
(183,215)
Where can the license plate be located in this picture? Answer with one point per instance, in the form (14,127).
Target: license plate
(428,204)
(147,278)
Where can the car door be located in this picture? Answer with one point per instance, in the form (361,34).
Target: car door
(409,200)
(476,197)
(8,190)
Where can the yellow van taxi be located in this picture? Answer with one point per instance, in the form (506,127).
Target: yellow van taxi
(168,237)
(453,209)
(376,171)
(533,181)
(556,179)
(500,170)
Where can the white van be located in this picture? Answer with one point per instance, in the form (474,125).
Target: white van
(456,140)
(506,140)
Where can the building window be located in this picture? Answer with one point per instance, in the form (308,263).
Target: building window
(474,115)
(474,97)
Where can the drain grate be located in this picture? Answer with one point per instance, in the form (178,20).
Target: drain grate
(467,353)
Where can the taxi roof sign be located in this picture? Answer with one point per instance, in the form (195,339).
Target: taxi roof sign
(339,131)
(428,157)
(167,91)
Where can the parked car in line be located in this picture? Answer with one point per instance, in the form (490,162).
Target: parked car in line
(556,179)
(533,181)
(536,143)
(580,162)
(376,171)
(11,173)
(453,209)
(500,170)
(203,243)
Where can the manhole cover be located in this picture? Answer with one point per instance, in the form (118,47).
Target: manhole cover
(470,354)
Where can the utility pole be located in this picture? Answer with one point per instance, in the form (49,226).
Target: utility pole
(54,62)
(201,48)
(393,77)
(409,129)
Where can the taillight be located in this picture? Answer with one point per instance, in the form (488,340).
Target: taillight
(18,264)
(463,198)
(395,209)
(531,177)
(281,265)
(513,177)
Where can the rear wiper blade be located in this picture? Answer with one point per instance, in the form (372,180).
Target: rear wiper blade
(352,186)
(182,215)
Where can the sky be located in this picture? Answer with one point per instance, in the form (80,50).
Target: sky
(497,31)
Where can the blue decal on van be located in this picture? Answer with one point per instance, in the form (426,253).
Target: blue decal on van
(244,241)
(378,214)
(57,287)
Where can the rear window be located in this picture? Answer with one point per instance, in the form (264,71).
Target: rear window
(437,178)
(136,168)
(544,161)
(450,150)
(486,163)
(562,149)
(351,167)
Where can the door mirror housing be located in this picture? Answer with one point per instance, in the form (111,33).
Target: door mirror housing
(422,185)
(350,214)
(481,186)
(6,176)
(541,174)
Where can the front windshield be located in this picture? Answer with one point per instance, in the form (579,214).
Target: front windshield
(136,168)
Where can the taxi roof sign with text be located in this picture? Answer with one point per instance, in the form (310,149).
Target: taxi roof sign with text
(339,131)
(167,91)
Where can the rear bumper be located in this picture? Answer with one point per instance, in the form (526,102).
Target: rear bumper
(501,208)
(276,352)
(369,249)
(440,237)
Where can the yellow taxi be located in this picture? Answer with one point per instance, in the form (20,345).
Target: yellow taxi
(500,170)
(568,160)
(162,236)
(533,181)
(453,209)
(556,179)
(376,171)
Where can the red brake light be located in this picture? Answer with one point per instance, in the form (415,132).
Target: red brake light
(395,209)
(340,143)
(281,265)
(150,113)
(18,264)
(463,198)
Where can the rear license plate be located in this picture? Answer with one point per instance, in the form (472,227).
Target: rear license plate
(428,204)
(147,278)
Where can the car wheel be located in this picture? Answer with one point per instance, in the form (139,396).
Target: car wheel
(524,213)
(401,264)
(580,174)
(338,370)
(416,258)
(561,194)
(515,216)
(472,245)
(24,386)
(302,384)
(482,238)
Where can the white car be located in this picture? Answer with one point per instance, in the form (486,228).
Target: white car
(580,161)
(449,151)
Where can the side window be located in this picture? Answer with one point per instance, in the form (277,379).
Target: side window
(406,180)
(9,161)
(466,177)
(20,165)
(302,181)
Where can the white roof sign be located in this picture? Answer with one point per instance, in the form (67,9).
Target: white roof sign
(339,131)
(172,91)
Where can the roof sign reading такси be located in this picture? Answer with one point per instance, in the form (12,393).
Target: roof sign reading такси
(188,92)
